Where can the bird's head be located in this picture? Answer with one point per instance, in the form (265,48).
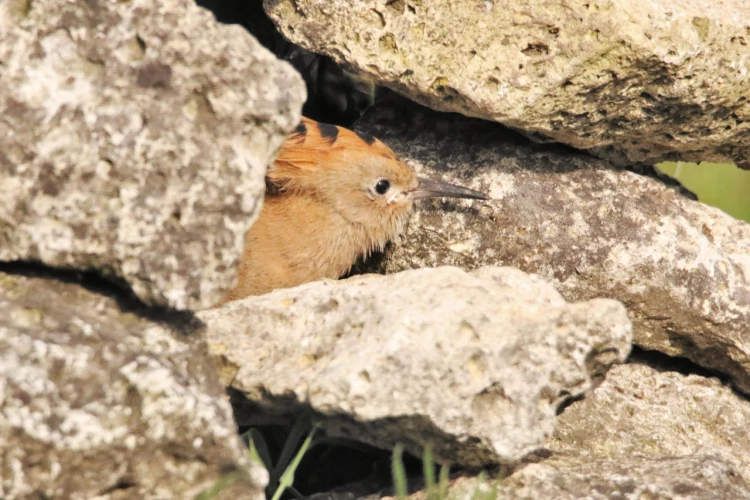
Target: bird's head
(379,187)
(358,175)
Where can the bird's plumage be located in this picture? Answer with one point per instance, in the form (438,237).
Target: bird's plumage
(317,149)
(332,196)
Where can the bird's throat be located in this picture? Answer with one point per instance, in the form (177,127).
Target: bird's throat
(314,239)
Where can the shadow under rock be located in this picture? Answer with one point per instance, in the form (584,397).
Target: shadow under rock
(181,322)
(335,467)
(665,363)
(395,118)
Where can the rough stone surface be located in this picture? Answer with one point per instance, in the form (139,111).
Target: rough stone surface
(100,403)
(565,478)
(638,81)
(134,138)
(681,267)
(474,363)
(334,95)
(639,411)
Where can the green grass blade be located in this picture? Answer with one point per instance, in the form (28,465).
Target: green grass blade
(287,478)
(398,472)
(428,471)
(298,430)
(252,452)
(259,447)
(443,479)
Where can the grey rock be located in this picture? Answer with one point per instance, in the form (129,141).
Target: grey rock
(474,363)
(134,139)
(96,402)
(682,268)
(633,82)
(639,411)
(684,478)
(627,478)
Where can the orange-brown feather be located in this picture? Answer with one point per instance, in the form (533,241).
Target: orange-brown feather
(310,153)
(316,219)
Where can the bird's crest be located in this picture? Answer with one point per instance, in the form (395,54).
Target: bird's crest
(316,148)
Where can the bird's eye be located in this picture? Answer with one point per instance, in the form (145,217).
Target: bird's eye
(382,186)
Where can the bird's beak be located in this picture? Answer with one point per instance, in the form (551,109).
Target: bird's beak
(428,188)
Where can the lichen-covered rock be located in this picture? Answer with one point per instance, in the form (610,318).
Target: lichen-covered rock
(642,433)
(334,95)
(628,478)
(681,267)
(134,139)
(97,402)
(475,364)
(640,411)
(638,81)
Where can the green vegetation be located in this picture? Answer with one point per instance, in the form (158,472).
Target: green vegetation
(722,185)
(281,476)
(437,489)
(398,473)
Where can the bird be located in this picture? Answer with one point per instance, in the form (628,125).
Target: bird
(333,195)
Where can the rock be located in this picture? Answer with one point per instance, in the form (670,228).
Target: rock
(474,363)
(334,95)
(630,478)
(98,402)
(642,433)
(682,268)
(639,411)
(634,82)
(686,478)
(134,141)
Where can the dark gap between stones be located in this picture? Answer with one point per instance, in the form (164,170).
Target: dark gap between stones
(340,466)
(665,363)
(654,173)
(113,287)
